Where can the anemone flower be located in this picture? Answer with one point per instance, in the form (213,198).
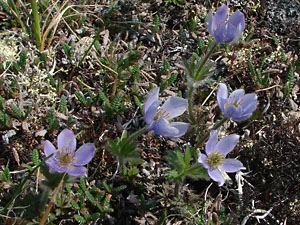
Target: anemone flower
(225,31)
(237,106)
(158,118)
(66,159)
(215,158)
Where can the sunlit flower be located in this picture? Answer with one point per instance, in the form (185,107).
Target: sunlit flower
(66,159)
(158,118)
(215,158)
(225,31)
(238,106)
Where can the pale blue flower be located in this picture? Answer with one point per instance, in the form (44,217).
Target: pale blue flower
(66,159)
(237,106)
(215,158)
(158,118)
(225,31)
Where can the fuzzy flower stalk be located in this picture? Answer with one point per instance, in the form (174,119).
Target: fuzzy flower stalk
(238,106)
(159,118)
(215,158)
(225,31)
(65,158)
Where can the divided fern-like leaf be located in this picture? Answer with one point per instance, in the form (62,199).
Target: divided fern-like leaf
(16,111)
(82,184)
(262,62)
(138,102)
(290,80)
(75,205)
(251,68)
(68,188)
(81,98)
(35,157)
(59,85)
(2,103)
(67,50)
(5,6)
(115,102)
(106,201)
(51,80)
(5,119)
(5,174)
(166,66)
(94,216)
(90,197)
(100,195)
(103,98)
(63,105)
(28,111)
(172,79)
(120,188)
(50,115)
(22,60)
(80,219)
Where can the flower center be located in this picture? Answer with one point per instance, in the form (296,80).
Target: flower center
(161,113)
(218,25)
(235,102)
(66,157)
(215,159)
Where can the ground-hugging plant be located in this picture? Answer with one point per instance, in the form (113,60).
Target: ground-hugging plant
(64,162)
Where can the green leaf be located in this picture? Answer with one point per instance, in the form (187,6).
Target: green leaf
(94,216)
(290,80)
(5,6)
(251,68)
(262,62)
(172,79)
(187,156)
(23,56)
(90,197)
(5,174)
(75,205)
(180,158)
(103,98)
(35,157)
(67,50)
(166,67)
(80,219)
(82,184)
(16,111)
(81,98)
(100,195)
(265,80)
(28,111)
(297,63)
(138,102)
(63,105)
(115,102)
(120,188)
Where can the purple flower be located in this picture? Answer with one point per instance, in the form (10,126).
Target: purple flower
(225,32)
(238,106)
(158,118)
(66,159)
(214,159)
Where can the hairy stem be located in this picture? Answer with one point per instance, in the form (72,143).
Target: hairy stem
(190,105)
(52,202)
(135,134)
(204,137)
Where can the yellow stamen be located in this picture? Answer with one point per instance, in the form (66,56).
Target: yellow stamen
(215,159)
(66,157)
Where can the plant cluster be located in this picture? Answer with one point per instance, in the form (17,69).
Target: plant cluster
(63,164)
